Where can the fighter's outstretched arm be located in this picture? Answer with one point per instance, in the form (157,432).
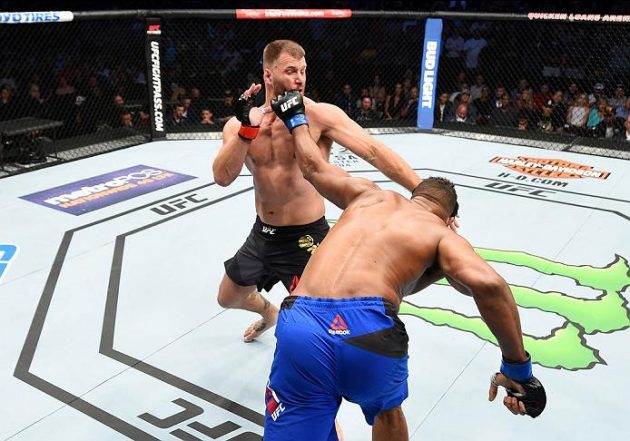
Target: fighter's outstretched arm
(337,126)
(496,304)
(491,293)
(334,183)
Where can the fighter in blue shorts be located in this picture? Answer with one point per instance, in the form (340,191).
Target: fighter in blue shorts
(355,348)
(338,335)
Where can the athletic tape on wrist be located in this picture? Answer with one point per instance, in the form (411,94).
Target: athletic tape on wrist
(296,120)
(248,132)
(517,371)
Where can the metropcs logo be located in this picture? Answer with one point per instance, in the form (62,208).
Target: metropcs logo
(338,327)
(550,168)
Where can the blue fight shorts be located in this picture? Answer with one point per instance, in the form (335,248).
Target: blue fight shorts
(329,349)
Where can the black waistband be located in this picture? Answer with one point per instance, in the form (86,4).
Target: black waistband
(322,302)
(290,230)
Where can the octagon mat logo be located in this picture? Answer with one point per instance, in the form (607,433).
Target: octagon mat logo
(549,168)
(565,347)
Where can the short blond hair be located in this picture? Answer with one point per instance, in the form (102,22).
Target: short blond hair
(275,48)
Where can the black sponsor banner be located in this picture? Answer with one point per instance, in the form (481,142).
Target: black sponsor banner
(154,70)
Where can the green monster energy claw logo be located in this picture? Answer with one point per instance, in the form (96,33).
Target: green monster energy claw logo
(565,347)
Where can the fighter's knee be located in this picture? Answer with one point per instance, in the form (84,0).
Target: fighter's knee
(227,299)
(231,295)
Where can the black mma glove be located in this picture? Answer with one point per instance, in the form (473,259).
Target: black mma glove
(241,109)
(290,108)
(534,398)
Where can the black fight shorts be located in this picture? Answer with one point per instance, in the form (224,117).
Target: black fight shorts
(271,254)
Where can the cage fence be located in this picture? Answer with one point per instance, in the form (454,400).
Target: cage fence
(87,86)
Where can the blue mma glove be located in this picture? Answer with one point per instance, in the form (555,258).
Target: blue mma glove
(290,109)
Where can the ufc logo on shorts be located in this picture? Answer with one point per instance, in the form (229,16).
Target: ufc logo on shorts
(274,406)
(288,104)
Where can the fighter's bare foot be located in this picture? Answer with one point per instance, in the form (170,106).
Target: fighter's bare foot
(257,328)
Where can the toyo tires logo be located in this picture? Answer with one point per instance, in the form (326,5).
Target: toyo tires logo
(565,347)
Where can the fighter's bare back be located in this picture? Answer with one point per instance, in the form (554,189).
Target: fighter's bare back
(393,221)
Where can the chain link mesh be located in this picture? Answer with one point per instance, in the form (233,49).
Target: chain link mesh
(88,76)
(543,84)
(555,85)
(354,64)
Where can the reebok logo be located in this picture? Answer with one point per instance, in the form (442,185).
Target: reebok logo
(338,327)
(288,104)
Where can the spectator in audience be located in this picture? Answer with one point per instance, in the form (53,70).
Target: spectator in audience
(62,105)
(522,85)
(558,111)
(506,114)
(406,83)
(189,112)
(499,91)
(522,124)
(598,92)
(571,94)
(34,105)
(577,116)
(525,106)
(364,92)
(461,114)
(225,109)
(115,109)
(443,108)
(484,105)
(475,90)
(544,122)
(378,93)
(8,109)
(619,97)
(456,96)
(473,47)
(625,133)
(622,112)
(365,113)
(542,96)
(144,120)
(118,101)
(178,92)
(177,117)
(395,103)
(461,83)
(464,98)
(410,111)
(126,119)
(346,100)
(598,116)
(207,118)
